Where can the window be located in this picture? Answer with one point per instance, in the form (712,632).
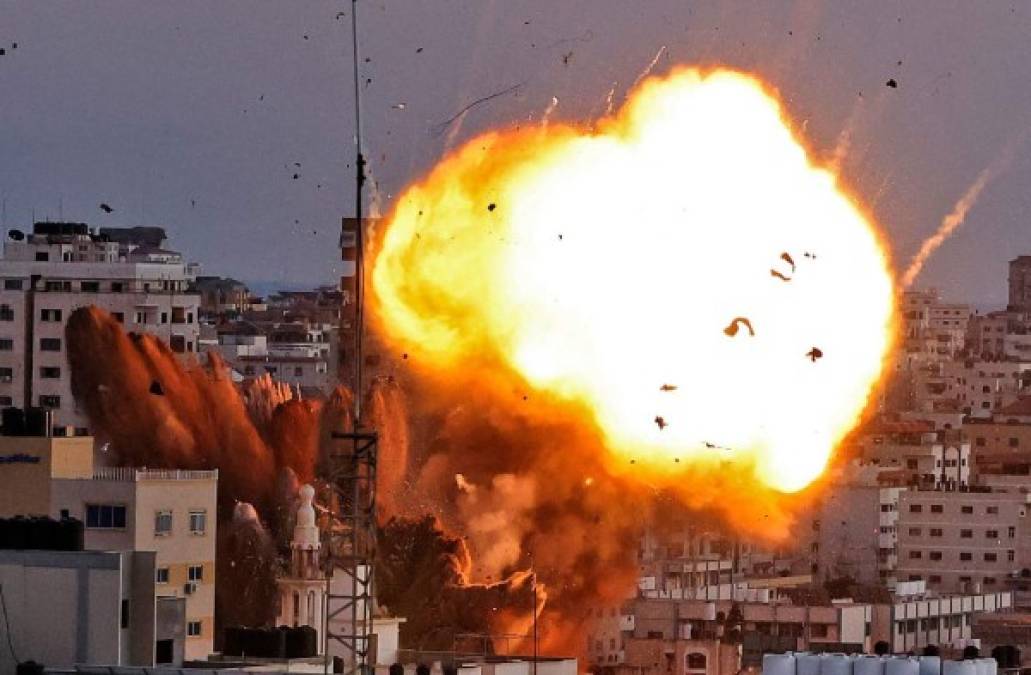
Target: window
(178,344)
(50,372)
(696,660)
(164,317)
(198,522)
(886,508)
(90,286)
(161,575)
(298,371)
(936,508)
(6,374)
(125,613)
(915,531)
(911,464)
(915,555)
(12,284)
(1011,531)
(1014,442)
(117,287)
(119,316)
(49,401)
(58,286)
(966,534)
(195,573)
(105,516)
(989,581)
(49,315)
(990,557)
(162,523)
(966,556)
(991,534)
(936,532)
(50,344)
(6,401)
(141,317)
(42,256)
(935,555)
(935,579)
(1011,555)
(6,313)
(6,344)
(915,508)
(992,510)
(193,628)
(966,509)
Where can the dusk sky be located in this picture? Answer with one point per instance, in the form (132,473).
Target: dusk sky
(192,115)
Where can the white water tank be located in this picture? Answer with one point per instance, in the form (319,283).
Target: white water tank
(835,664)
(868,665)
(987,666)
(930,665)
(778,664)
(902,666)
(958,668)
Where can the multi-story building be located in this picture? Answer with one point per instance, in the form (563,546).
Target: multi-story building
(167,511)
(854,533)
(1020,284)
(46,275)
(64,608)
(975,387)
(932,330)
(921,455)
(962,541)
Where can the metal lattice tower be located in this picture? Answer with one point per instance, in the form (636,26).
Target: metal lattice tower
(352,551)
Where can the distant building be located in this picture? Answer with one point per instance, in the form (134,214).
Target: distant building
(962,541)
(855,534)
(1020,284)
(222,295)
(46,275)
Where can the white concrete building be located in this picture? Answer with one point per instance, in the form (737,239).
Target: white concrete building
(48,274)
(167,511)
(69,607)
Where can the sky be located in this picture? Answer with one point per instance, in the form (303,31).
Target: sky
(196,116)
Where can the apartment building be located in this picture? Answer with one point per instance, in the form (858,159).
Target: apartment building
(855,534)
(960,541)
(170,512)
(59,267)
(933,330)
(974,387)
(1020,284)
(922,456)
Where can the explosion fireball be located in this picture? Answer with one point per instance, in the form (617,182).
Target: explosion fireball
(683,274)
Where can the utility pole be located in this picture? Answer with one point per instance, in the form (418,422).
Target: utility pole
(359,168)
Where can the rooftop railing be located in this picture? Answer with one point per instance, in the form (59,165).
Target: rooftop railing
(134,474)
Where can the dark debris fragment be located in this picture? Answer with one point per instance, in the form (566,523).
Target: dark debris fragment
(733,327)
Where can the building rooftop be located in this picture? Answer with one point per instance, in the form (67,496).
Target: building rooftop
(133,474)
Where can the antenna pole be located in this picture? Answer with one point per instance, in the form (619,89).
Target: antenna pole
(359,166)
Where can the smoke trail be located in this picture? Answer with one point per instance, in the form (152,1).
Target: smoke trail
(547,111)
(648,68)
(952,221)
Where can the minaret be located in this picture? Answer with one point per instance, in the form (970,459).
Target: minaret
(302,594)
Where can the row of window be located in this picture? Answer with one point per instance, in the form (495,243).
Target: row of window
(1012,441)
(193,573)
(1011,532)
(964,556)
(112,517)
(940,508)
(932,623)
(936,579)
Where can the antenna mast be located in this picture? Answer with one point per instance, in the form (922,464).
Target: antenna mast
(359,168)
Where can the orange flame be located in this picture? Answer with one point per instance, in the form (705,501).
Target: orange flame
(606,268)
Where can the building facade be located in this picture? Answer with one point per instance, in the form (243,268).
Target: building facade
(60,267)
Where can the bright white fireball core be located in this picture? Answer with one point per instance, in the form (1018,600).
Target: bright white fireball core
(614,261)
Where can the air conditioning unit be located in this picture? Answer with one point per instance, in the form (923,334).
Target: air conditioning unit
(190,587)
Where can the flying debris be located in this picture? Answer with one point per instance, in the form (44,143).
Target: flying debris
(660,422)
(418,50)
(440,128)
(811,256)
(296,176)
(398,106)
(668,387)
(892,83)
(732,328)
(491,206)
(156,388)
(814,353)
(786,257)
(105,208)
(566,58)
(779,275)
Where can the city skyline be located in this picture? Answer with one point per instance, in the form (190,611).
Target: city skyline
(249,92)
